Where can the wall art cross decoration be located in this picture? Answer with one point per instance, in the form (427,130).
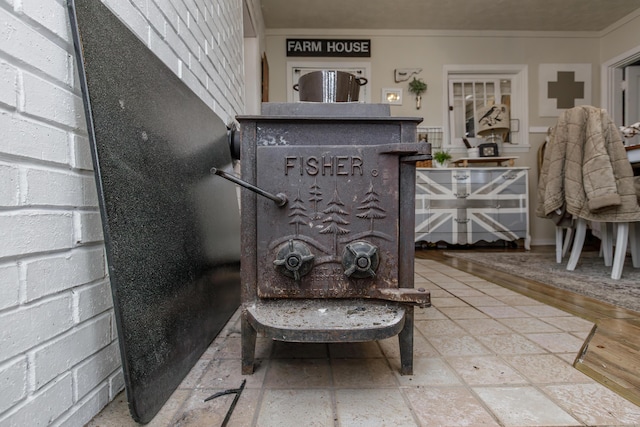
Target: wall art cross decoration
(563,86)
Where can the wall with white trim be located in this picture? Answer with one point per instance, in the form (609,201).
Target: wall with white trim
(432,51)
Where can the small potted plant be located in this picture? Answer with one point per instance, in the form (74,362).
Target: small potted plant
(417,87)
(441,158)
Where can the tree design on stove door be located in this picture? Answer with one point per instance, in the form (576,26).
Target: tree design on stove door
(297,213)
(371,207)
(334,219)
(316,197)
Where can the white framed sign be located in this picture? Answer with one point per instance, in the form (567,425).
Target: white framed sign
(391,96)
(563,86)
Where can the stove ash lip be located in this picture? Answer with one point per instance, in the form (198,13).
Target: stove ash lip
(332,317)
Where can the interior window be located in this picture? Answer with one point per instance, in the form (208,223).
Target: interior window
(469,96)
(470,90)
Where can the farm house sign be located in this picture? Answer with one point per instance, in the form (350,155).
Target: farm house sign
(329,47)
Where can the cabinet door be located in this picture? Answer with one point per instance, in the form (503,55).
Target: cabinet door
(499,209)
(475,223)
(433,217)
(436,206)
(423,198)
(511,190)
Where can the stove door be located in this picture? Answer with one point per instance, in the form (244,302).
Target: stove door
(338,234)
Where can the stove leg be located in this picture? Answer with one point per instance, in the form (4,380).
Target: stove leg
(248,346)
(405,338)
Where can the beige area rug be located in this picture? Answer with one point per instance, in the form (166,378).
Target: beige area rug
(590,278)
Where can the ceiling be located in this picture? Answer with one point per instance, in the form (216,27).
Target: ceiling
(507,15)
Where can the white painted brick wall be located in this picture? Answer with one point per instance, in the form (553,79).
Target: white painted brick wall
(8,84)
(51,274)
(66,351)
(95,369)
(34,324)
(44,406)
(87,227)
(33,50)
(91,300)
(9,286)
(50,102)
(28,232)
(59,355)
(14,382)
(22,137)
(9,179)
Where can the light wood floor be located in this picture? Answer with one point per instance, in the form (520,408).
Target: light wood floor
(610,355)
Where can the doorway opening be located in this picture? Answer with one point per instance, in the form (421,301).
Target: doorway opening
(621,90)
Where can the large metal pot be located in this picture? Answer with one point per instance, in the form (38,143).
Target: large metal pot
(329,86)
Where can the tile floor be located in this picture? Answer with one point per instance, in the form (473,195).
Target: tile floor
(484,356)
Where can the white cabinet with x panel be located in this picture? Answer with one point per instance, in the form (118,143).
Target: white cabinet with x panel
(467,205)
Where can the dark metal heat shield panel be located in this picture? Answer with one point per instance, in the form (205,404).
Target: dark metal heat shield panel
(172,231)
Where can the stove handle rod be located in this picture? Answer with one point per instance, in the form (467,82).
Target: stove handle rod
(279,198)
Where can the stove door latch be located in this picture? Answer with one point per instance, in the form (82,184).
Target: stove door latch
(294,259)
(280,199)
(360,260)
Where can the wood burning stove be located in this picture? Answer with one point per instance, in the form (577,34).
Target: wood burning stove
(328,253)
